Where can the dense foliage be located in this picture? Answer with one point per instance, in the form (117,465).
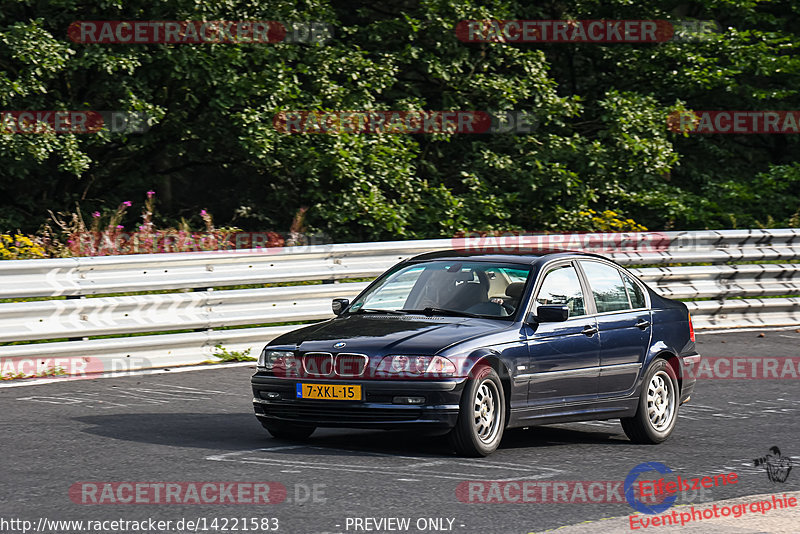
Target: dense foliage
(600,143)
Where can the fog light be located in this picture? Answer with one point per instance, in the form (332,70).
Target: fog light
(270,395)
(408,400)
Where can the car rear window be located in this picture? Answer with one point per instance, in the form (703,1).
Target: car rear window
(634,292)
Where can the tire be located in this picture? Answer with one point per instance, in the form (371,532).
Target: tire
(482,415)
(658,406)
(288,431)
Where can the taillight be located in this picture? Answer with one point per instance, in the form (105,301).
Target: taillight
(691,328)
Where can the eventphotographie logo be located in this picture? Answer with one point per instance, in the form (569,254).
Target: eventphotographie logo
(638,504)
(666,491)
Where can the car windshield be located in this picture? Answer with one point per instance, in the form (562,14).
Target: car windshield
(459,288)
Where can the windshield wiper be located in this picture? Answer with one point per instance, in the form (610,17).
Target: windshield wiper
(377,310)
(443,311)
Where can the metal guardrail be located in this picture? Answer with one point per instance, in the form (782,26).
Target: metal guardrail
(199,315)
(150,272)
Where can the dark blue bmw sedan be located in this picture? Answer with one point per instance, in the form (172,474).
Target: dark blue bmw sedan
(472,344)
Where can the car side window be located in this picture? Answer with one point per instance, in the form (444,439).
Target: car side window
(634,292)
(562,287)
(607,286)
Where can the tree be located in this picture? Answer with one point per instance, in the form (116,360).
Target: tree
(600,139)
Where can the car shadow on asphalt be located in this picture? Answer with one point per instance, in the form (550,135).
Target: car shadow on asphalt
(553,436)
(239,432)
(227,431)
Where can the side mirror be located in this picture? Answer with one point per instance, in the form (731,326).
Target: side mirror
(551,313)
(339,305)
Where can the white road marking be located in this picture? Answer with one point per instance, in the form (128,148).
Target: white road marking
(419,467)
(424,464)
(701,332)
(141,396)
(118,374)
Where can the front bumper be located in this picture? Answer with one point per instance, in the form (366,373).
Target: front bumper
(274,400)
(689,365)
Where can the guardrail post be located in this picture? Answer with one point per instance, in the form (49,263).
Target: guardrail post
(74,297)
(194,290)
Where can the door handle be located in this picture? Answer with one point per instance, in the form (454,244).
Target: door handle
(642,324)
(589,330)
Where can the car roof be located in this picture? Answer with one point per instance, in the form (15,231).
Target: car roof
(520,257)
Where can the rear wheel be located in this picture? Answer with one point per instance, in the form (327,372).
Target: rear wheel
(288,431)
(482,415)
(658,406)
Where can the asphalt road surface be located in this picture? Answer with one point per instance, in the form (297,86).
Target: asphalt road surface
(199,427)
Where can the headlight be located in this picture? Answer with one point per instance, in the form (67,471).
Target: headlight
(417,365)
(276,359)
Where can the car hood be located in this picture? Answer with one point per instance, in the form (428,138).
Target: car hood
(385,334)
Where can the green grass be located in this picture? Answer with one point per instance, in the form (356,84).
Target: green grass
(226,355)
(53,371)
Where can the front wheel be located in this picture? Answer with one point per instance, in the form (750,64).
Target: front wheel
(658,406)
(288,431)
(482,415)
